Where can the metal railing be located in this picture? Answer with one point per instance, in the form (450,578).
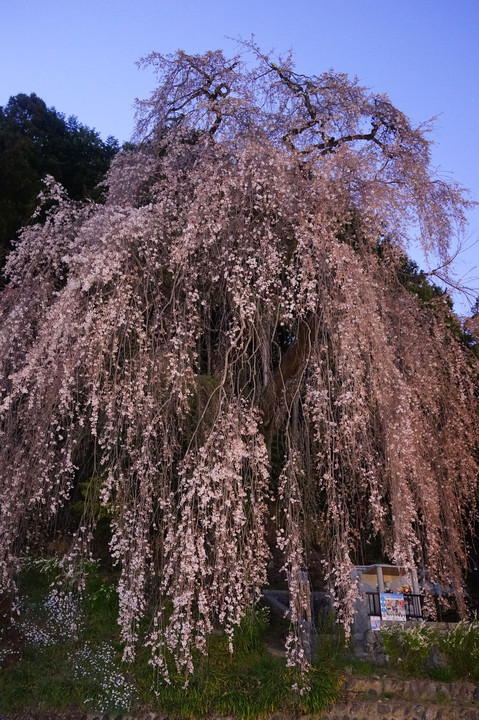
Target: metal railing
(412,604)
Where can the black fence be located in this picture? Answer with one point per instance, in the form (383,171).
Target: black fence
(412,603)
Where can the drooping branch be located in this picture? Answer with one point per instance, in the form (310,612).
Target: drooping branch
(229,294)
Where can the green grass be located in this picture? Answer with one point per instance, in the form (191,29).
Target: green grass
(250,683)
(39,680)
(360,666)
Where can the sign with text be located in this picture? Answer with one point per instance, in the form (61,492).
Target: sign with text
(392,607)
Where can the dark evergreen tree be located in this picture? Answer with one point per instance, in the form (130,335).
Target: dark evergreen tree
(35,141)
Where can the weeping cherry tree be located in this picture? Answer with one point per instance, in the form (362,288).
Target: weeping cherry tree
(225,346)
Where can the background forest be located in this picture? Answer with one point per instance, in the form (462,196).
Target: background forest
(36,141)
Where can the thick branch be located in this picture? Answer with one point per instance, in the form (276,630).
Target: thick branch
(281,391)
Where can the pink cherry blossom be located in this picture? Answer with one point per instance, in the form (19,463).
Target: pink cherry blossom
(228,345)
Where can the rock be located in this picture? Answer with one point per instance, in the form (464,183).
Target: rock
(436,660)
(394,686)
(384,708)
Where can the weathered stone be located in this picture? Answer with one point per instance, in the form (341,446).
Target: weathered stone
(369,686)
(469,714)
(384,708)
(423,688)
(436,659)
(469,689)
(462,691)
(393,685)
(430,690)
(454,690)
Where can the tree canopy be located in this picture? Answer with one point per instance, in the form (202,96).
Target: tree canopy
(35,141)
(225,353)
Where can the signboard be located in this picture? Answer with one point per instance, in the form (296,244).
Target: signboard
(375,621)
(392,607)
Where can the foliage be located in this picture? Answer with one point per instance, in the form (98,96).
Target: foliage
(99,667)
(229,299)
(410,649)
(249,633)
(35,141)
(247,684)
(67,654)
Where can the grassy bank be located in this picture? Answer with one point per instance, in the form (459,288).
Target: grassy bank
(64,653)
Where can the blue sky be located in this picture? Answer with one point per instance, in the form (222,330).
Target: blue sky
(79,56)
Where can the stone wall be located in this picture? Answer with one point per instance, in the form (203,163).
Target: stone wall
(400,710)
(384,698)
(391,698)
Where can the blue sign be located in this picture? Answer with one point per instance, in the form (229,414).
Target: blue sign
(392,607)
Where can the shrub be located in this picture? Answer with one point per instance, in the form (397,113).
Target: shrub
(407,647)
(460,645)
(410,647)
(331,640)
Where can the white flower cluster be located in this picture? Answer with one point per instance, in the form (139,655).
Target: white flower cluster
(100,665)
(60,619)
